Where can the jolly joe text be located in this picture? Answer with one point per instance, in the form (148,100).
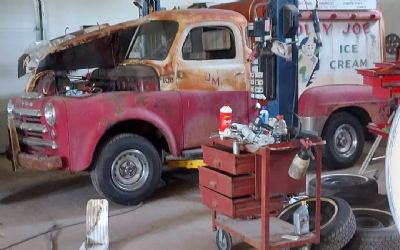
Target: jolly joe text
(350,29)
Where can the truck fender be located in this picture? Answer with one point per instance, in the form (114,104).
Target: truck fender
(95,138)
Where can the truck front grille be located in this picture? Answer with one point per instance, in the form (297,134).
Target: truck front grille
(30,129)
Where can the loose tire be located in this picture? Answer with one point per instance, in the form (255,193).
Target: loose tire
(375,230)
(338,224)
(344,135)
(365,200)
(127,169)
(339,183)
(223,240)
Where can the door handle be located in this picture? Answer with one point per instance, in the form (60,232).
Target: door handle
(239,73)
(179,74)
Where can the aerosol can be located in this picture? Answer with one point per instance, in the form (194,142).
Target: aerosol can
(301,220)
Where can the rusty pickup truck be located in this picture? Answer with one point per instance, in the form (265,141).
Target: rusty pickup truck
(117,100)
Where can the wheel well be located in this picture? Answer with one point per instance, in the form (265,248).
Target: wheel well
(142,128)
(360,113)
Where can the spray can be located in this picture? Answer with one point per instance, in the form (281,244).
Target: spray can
(299,166)
(225,118)
(301,220)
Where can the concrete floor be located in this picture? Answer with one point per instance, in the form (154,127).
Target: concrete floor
(174,218)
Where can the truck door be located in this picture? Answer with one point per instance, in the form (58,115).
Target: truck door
(210,72)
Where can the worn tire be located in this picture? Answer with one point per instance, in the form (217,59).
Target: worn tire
(365,200)
(375,230)
(342,183)
(345,136)
(127,169)
(338,224)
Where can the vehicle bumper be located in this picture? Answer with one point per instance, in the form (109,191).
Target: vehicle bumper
(313,123)
(31,161)
(39,162)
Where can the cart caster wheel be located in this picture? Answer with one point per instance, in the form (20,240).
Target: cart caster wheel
(223,240)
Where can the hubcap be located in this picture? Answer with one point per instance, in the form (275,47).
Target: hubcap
(130,170)
(346,141)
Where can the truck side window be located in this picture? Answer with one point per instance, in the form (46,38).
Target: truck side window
(209,43)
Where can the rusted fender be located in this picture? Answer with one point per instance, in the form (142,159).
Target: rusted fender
(324,100)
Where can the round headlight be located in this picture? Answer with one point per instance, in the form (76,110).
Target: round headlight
(50,114)
(10,107)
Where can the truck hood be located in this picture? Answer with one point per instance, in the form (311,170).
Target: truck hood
(100,46)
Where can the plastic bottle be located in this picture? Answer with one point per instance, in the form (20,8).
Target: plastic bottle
(280,126)
(225,118)
(264,115)
(301,220)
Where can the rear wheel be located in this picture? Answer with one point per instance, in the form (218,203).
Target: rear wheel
(344,135)
(127,170)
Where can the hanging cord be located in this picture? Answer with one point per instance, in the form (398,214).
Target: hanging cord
(57,227)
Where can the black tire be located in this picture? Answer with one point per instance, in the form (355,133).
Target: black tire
(375,230)
(345,136)
(365,200)
(127,170)
(343,183)
(223,240)
(338,224)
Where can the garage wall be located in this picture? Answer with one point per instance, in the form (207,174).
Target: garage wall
(391,10)
(17,31)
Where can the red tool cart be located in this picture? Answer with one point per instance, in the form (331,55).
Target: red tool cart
(245,193)
(385,81)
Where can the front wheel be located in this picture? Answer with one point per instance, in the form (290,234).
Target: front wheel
(344,137)
(127,169)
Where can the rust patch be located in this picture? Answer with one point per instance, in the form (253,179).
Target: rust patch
(142,100)
(39,162)
(103,123)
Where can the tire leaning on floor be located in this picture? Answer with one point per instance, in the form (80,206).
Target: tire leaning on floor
(375,230)
(127,169)
(339,183)
(338,223)
(365,200)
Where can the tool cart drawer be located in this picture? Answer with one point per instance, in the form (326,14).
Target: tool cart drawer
(228,185)
(234,208)
(224,160)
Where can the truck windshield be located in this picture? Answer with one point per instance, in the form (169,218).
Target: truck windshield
(154,40)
